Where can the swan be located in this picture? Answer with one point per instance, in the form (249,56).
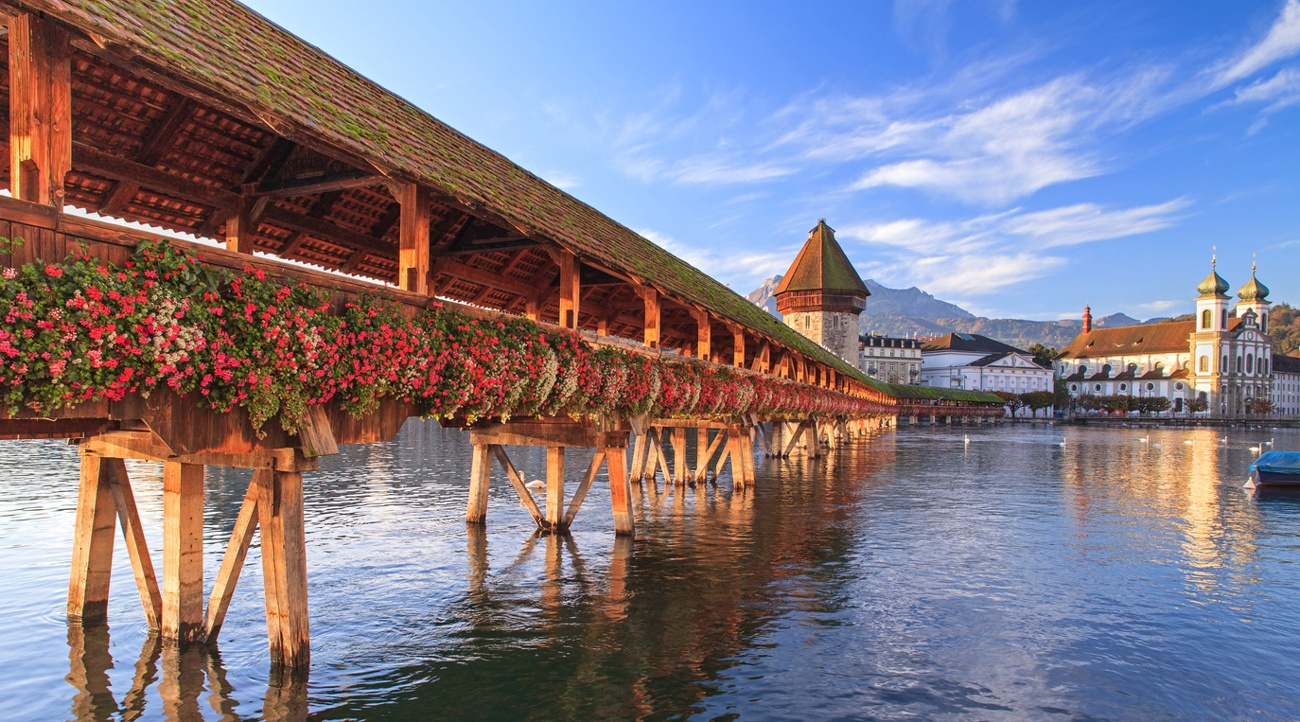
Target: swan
(966,439)
(1256,449)
(535,485)
(1189,442)
(1062,443)
(1224,441)
(1155,446)
(1145,439)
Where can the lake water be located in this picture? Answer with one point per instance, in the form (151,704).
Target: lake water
(909,576)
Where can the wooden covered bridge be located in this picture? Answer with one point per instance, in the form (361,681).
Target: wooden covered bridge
(396,259)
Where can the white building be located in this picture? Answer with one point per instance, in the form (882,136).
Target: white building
(978,363)
(1222,357)
(1286,386)
(892,360)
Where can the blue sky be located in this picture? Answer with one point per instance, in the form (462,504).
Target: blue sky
(1020,159)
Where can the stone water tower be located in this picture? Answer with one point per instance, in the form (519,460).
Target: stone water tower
(822,295)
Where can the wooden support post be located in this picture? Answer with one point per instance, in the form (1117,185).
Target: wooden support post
(722,440)
(40,109)
(570,289)
(703,334)
(653,455)
(232,562)
(639,447)
(517,481)
(738,347)
(146,581)
(746,456)
(240,227)
(663,460)
(554,487)
(812,439)
(679,456)
(602,326)
(718,440)
(92,547)
(620,492)
(413,252)
(480,473)
(737,468)
(701,455)
(182,587)
(581,494)
(652,319)
(533,307)
(284,566)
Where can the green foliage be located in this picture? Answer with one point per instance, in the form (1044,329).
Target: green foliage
(1043,355)
(1284,329)
(1197,404)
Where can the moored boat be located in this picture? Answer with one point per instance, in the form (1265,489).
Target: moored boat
(1276,468)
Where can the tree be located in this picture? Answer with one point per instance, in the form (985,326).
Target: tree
(1043,355)
(1117,403)
(1013,401)
(1284,329)
(1259,406)
(1061,392)
(1089,402)
(1197,404)
(1036,400)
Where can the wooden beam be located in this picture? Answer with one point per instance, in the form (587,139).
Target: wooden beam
(341,182)
(182,587)
(162,136)
(517,481)
(473,274)
(97,162)
(141,563)
(232,562)
(584,486)
(284,567)
(92,547)
(653,321)
(321,228)
(620,492)
(738,346)
(240,227)
(703,333)
(570,288)
(554,487)
(40,109)
(480,475)
(413,256)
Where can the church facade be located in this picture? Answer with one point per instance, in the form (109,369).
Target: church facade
(1222,358)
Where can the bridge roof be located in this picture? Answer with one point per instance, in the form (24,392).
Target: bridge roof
(227,51)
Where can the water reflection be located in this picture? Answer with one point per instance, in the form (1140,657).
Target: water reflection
(905,575)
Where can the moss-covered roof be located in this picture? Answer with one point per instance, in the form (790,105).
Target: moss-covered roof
(233,54)
(821,266)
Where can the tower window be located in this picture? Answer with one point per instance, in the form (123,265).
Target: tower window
(1205,319)
(1205,364)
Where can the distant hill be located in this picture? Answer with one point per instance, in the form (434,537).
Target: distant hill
(911,311)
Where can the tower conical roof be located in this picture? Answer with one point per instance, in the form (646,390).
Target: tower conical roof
(1213,285)
(1253,290)
(822,266)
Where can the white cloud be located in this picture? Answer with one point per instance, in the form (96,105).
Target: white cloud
(1281,42)
(1161,306)
(743,268)
(562,180)
(1280,91)
(991,252)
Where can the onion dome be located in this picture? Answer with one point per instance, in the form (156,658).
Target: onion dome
(1253,290)
(1213,285)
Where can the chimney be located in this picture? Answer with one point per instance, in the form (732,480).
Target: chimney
(1087,319)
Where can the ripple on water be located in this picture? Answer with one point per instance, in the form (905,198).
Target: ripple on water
(909,576)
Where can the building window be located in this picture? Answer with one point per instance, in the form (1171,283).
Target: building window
(1205,364)
(1224,323)
(1205,319)
(1074,387)
(1096,387)
(1150,386)
(1123,387)
(1179,386)
(1250,363)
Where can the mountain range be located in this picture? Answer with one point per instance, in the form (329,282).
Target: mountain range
(910,312)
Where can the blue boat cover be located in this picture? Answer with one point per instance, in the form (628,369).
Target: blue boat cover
(1278,462)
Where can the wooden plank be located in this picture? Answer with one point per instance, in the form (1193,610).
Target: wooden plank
(413,253)
(40,109)
(517,481)
(584,486)
(232,562)
(128,516)
(113,167)
(554,486)
(182,587)
(480,474)
(532,433)
(620,492)
(92,547)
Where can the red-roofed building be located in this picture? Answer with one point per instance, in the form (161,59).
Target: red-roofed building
(1221,358)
